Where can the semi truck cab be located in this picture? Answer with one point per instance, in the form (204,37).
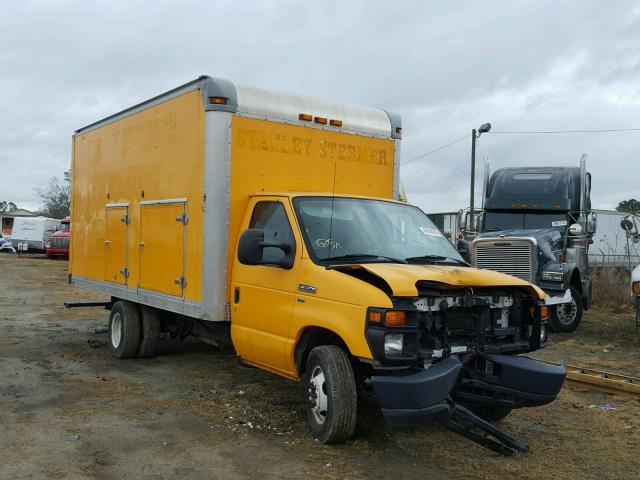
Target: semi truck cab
(537,225)
(58,244)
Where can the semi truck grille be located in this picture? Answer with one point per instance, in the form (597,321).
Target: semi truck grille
(512,258)
(59,242)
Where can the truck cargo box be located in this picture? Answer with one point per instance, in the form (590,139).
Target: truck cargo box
(158,190)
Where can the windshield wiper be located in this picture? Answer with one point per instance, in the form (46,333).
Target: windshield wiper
(352,256)
(435,258)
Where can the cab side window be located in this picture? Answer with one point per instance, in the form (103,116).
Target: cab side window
(272,219)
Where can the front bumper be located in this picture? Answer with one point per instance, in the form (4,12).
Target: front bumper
(511,381)
(57,252)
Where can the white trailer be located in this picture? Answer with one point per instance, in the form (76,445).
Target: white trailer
(32,231)
(610,246)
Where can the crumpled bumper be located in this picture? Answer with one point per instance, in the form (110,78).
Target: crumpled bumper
(510,381)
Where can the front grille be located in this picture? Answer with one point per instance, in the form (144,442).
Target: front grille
(512,258)
(59,242)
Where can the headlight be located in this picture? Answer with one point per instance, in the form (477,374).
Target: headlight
(635,286)
(553,276)
(393,343)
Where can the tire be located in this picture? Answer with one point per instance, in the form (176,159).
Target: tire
(149,332)
(331,394)
(124,329)
(566,317)
(490,414)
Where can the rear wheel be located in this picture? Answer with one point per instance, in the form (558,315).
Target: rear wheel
(565,317)
(124,329)
(149,332)
(331,394)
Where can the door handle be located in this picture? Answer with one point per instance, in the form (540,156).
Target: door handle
(140,244)
(107,242)
(236,295)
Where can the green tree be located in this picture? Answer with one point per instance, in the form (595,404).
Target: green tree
(7,207)
(56,197)
(630,206)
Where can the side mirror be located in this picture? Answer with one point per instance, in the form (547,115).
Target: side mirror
(251,248)
(592,222)
(575,229)
(629,225)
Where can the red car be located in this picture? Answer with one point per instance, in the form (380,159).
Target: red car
(58,244)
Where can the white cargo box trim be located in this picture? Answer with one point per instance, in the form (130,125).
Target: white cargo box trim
(270,104)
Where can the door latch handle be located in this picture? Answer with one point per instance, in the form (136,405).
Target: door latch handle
(236,295)
(107,242)
(140,244)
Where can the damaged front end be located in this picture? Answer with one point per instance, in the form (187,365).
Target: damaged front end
(448,355)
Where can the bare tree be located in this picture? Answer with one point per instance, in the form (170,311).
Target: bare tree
(56,197)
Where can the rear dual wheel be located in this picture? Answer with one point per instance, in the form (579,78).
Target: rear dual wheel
(133,332)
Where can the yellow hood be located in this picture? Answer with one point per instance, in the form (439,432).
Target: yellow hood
(402,278)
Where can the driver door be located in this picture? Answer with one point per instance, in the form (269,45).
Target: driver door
(263,296)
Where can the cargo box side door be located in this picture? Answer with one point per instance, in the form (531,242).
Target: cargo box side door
(115,243)
(163,225)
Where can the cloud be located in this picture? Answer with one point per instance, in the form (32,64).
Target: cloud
(446,67)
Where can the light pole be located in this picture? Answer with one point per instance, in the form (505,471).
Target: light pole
(475,134)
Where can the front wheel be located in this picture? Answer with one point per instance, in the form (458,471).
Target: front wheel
(565,317)
(331,394)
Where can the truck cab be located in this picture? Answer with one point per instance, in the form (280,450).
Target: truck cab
(379,280)
(58,244)
(537,225)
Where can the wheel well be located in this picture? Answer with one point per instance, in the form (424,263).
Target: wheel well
(575,280)
(314,337)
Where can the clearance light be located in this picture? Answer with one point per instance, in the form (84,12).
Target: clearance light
(557,205)
(218,100)
(544,312)
(335,123)
(636,288)
(395,318)
(320,120)
(305,116)
(375,317)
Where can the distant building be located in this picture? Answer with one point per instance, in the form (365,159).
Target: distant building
(6,219)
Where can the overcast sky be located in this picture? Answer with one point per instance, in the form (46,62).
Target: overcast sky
(445,67)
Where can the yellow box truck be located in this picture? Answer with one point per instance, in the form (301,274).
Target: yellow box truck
(271,221)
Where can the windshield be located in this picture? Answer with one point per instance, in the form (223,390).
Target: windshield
(370,230)
(494,221)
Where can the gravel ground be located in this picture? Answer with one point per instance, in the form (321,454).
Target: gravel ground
(69,410)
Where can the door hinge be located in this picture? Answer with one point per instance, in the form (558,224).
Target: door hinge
(125,272)
(125,219)
(181,281)
(183,219)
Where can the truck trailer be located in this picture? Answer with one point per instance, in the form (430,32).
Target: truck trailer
(271,221)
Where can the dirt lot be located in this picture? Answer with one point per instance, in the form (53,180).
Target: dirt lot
(69,410)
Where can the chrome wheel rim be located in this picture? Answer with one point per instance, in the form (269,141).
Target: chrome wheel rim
(318,399)
(567,313)
(116,330)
